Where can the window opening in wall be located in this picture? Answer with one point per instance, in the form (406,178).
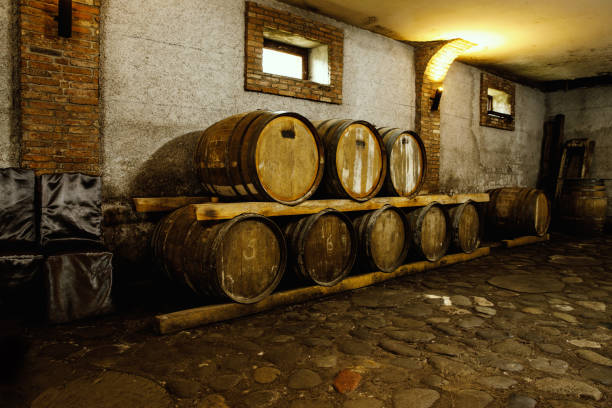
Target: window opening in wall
(499,103)
(284,59)
(291,55)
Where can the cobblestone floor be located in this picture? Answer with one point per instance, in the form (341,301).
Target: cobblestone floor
(525,327)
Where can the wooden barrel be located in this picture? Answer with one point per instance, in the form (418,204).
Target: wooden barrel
(356,158)
(242,259)
(261,156)
(407,162)
(465,227)
(583,205)
(322,247)
(516,211)
(430,231)
(383,239)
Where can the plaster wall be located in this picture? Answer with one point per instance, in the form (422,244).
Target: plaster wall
(170,70)
(8,48)
(588,113)
(477,158)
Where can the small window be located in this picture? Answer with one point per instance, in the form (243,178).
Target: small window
(498,102)
(284,59)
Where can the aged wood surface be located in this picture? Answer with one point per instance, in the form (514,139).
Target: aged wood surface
(164,204)
(465,223)
(517,211)
(242,259)
(261,155)
(407,161)
(322,247)
(217,211)
(531,239)
(430,231)
(185,319)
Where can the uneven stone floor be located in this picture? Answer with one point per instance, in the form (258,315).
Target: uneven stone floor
(524,327)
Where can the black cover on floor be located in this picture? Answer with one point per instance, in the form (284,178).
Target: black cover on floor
(71,208)
(78,285)
(19,269)
(17,213)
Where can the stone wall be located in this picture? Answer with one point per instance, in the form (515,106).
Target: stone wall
(588,114)
(475,157)
(9,141)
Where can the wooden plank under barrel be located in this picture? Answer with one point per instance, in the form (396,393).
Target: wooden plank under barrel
(242,259)
(356,159)
(261,156)
(322,247)
(465,227)
(430,231)
(407,161)
(383,239)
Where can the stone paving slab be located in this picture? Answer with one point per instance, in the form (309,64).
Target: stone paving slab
(525,327)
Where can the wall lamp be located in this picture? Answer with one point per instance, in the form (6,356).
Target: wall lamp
(64,18)
(435,100)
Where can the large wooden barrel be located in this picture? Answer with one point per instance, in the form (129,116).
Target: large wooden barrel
(465,227)
(582,206)
(261,156)
(407,161)
(356,158)
(383,239)
(430,231)
(322,247)
(242,259)
(515,211)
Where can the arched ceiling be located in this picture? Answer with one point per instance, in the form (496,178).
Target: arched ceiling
(533,40)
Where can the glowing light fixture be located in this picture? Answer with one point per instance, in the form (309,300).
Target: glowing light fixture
(438,64)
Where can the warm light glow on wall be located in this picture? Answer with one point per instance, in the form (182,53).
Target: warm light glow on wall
(438,64)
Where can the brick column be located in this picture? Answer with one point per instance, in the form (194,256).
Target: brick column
(59,88)
(432,60)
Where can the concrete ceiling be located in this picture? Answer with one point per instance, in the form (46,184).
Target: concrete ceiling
(533,40)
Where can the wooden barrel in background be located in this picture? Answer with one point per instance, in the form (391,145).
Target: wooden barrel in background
(582,206)
(407,162)
(242,259)
(383,239)
(261,156)
(515,211)
(322,247)
(465,227)
(356,158)
(430,231)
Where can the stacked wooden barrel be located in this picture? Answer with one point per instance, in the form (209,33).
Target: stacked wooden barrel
(514,211)
(283,157)
(261,156)
(242,259)
(582,206)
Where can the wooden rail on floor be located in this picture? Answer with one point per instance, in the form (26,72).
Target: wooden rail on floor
(185,319)
(220,211)
(164,204)
(526,240)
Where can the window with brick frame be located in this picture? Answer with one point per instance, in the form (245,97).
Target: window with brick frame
(496,102)
(273,36)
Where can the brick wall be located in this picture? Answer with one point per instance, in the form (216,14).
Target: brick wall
(427,122)
(59,88)
(258,17)
(492,81)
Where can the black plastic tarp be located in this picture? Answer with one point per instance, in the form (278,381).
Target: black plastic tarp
(78,285)
(17,207)
(71,208)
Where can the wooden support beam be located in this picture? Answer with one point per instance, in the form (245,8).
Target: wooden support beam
(220,211)
(164,204)
(526,240)
(185,319)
